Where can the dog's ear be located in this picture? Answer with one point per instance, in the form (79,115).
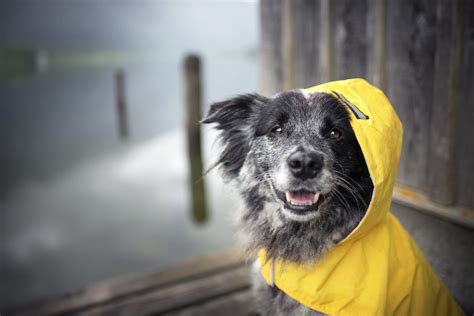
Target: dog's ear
(235,112)
(236,118)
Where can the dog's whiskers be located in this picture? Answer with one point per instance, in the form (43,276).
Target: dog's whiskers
(349,182)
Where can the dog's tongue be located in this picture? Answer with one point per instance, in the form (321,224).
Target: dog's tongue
(302,197)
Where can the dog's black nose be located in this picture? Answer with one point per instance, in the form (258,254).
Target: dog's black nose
(305,165)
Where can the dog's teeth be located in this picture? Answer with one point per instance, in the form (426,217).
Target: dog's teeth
(316,197)
(291,199)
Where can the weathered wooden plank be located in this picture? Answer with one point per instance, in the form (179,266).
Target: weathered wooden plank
(302,44)
(464,135)
(441,163)
(287,45)
(179,295)
(326,45)
(376,42)
(349,32)
(115,289)
(236,304)
(270,46)
(410,63)
(418,201)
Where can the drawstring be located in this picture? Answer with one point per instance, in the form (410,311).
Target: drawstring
(272,273)
(274,289)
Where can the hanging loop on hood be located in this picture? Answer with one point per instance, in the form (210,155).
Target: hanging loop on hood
(358,113)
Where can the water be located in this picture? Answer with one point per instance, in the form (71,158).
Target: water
(77,204)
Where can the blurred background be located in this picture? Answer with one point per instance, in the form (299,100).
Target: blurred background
(79,201)
(101,153)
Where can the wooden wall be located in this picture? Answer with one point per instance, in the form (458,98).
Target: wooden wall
(420,52)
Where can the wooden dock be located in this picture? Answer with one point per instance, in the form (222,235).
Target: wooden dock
(214,285)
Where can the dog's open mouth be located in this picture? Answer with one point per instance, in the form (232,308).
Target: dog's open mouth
(301,201)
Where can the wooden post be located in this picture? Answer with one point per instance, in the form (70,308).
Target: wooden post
(192,80)
(120,105)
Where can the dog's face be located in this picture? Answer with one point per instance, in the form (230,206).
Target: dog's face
(295,150)
(305,148)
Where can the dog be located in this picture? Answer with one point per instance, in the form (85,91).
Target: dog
(300,172)
(306,185)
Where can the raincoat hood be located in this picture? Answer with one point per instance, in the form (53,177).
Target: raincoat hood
(377,269)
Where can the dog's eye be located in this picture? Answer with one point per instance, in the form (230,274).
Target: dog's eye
(277,129)
(335,134)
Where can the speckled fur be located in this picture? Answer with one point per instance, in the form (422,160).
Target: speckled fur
(254,158)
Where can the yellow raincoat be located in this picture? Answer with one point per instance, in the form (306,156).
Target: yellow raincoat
(378,269)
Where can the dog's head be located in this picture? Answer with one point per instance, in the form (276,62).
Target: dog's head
(297,150)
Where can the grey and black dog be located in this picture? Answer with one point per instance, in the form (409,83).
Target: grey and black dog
(301,174)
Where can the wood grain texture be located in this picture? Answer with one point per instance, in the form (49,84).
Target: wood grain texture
(376,30)
(419,52)
(305,43)
(351,40)
(465,129)
(410,63)
(271,73)
(442,150)
(236,304)
(114,290)
(179,295)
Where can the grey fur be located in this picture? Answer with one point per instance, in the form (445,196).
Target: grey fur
(256,162)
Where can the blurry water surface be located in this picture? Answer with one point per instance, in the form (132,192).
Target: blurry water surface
(77,204)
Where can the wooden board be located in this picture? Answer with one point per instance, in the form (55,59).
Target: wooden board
(184,294)
(410,63)
(351,39)
(441,181)
(303,44)
(135,289)
(376,43)
(270,46)
(464,132)
(239,303)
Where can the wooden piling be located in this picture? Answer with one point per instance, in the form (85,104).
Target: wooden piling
(120,105)
(192,82)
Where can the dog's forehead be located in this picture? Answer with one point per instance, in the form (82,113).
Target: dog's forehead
(310,104)
(289,99)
